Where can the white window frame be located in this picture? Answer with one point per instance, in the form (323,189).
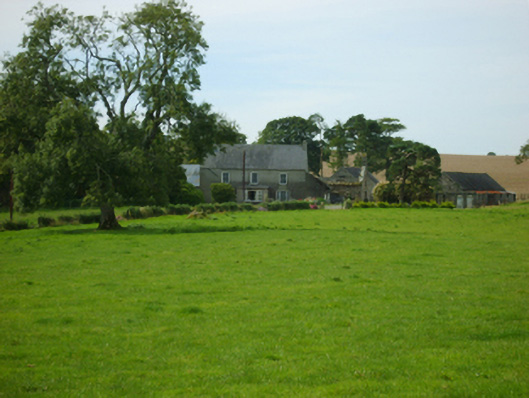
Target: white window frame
(222,177)
(286,178)
(259,195)
(252,174)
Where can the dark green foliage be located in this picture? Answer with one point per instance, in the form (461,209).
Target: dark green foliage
(370,139)
(133,213)
(189,195)
(414,169)
(45,222)
(523,155)
(297,130)
(222,193)
(363,205)
(229,206)
(9,225)
(66,219)
(206,208)
(178,209)
(386,192)
(89,218)
(247,207)
(289,205)
(417,204)
(275,206)
(447,205)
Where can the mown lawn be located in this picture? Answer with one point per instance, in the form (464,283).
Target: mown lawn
(362,302)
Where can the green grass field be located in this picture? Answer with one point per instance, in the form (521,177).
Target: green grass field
(362,302)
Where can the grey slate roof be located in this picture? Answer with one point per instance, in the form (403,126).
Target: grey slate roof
(354,172)
(474,181)
(259,157)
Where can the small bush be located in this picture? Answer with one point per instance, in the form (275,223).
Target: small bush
(228,206)
(383,205)
(8,225)
(178,209)
(275,206)
(206,208)
(45,222)
(222,193)
(297,205)
(247,207)
(188,194)
(447,205)
(89,218)
(419,204)
(133,213)
(364,205)
(66,219)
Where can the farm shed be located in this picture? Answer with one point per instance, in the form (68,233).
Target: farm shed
(467,190)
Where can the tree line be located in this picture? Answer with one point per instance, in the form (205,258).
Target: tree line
(412,168)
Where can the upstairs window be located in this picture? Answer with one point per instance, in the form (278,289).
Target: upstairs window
(225,177)
(254,178)
(283,179)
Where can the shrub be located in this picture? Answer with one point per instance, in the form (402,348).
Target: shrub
(228,206)
(275,206)
(206,208)
(66,219)
(133,213)
(89,218)
(383,205)
(296,205)
(45,222)
(364,205)
(14,225)
(447,205)
(178,209)
(247,207)
(222,193)
(348,204)
(189,195)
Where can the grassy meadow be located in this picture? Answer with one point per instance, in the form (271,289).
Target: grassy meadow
(322,303)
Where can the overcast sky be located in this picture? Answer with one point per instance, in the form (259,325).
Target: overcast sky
(455,72)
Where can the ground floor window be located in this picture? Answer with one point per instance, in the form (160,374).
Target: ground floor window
(254,195)
(282,196)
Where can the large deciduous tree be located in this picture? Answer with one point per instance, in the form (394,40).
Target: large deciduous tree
(368,138)
(414,169)
(297,130)
(140,69)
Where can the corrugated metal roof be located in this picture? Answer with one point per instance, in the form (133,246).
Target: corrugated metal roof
(474,181)
(259,157)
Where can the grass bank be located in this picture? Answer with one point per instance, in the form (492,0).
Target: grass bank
(362,302)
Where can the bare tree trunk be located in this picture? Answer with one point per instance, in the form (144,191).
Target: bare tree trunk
(108,218)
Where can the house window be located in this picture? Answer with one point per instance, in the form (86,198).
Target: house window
(282,196)
(283,179)
(254,180)
(225,177)
(254,196)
